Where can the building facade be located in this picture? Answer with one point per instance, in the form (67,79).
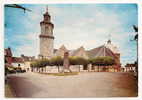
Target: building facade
(115,50)
(8,56)
(46,37)
(22,61)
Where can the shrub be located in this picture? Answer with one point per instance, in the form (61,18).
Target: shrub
(56,61)
(102,61)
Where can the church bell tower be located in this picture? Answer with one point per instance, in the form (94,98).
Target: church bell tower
(46,36)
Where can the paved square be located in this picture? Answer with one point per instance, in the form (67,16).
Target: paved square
(96,84)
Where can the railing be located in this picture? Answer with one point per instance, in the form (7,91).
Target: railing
(80,68)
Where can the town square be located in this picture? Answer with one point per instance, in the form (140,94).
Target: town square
(71,50)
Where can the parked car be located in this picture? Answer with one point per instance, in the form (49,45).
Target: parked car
(20,71)
(12,70)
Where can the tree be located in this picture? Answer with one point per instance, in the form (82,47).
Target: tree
(82,61)
(57,61)
(78,61)
(102,61)
(73,60)
(43,63)
(108,61)
(37,64)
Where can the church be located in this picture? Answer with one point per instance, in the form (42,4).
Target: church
(47,45)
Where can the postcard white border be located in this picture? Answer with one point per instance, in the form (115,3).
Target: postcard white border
(2,2)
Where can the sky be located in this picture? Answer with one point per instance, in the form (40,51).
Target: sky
(75,25)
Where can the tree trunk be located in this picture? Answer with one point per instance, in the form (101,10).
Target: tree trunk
(58,69)
(42,69)
(94,68)
(36,69)
(108,68)
(39,70)
(45,69)
(79,68)
(88,68)
(113,69)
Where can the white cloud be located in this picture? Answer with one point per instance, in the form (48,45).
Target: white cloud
(74,29)
(30,45)
(88,31)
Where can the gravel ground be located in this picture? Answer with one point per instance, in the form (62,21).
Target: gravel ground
(8,91)
(93,84)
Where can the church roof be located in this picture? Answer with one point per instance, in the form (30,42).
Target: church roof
(112,47)
(61,51)
(80,52)
(100,52)
(46,13)
(63,48)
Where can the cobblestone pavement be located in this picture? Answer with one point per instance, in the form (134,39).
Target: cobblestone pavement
(93,84)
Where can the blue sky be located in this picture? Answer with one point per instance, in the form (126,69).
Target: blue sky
(76,25)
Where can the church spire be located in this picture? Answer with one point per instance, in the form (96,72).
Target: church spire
(109,39)
(47,8)
(47,15)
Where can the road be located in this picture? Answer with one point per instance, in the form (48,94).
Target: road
(94,84)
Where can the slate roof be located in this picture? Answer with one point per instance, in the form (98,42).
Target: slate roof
(60,51)
(100,52)
(80,52)
(27,58)
(17,60)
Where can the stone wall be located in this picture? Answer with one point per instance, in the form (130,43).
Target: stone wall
(46,47)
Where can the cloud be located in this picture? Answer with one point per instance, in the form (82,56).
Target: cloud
(79,25)
(30,44)
(94,29)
